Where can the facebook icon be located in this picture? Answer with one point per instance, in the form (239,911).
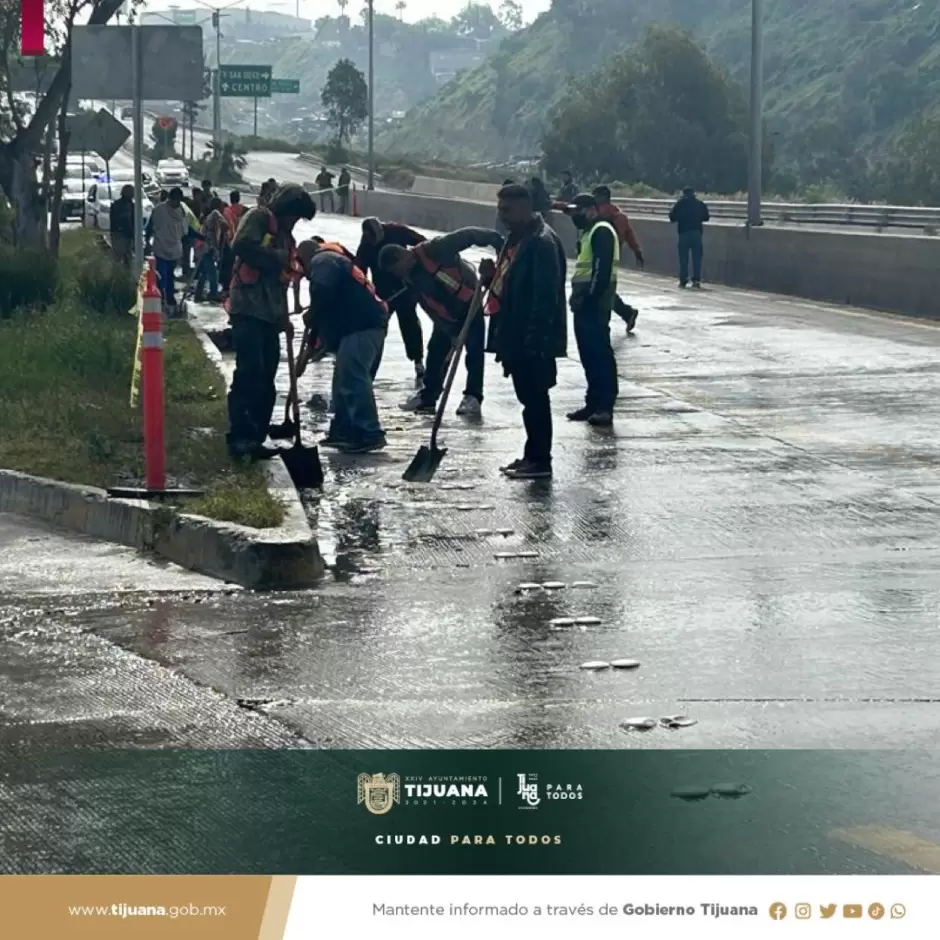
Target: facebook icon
(778,911)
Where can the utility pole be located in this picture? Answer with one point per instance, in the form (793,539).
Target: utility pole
(138,110)
(217,85)
(371,96)
(754,186)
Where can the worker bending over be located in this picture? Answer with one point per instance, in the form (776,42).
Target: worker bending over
(444,284)
(350,320)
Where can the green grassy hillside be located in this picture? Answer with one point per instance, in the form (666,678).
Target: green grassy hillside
(840,78)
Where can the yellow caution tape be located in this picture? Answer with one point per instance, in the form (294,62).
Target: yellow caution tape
(135,374)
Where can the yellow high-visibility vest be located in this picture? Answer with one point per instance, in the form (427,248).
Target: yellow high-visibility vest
(584,264)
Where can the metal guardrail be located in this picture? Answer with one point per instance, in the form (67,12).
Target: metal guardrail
(848,214)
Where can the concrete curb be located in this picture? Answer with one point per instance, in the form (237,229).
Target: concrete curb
(285,557)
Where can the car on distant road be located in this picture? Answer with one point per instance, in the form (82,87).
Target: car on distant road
(89,160)
(98,205)
(172,173)
(73,200)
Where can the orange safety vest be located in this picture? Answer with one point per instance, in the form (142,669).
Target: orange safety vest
(450,278)
(357,272)
(499,280)
(244,273)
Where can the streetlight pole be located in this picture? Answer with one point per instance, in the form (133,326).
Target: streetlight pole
(757,129)
(217,85)
(371,97)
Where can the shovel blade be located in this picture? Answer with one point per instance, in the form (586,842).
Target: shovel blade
(303,465)
(424,464)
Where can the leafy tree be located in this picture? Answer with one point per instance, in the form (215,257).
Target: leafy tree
(510,15)
(345,97)
(476,20)
(164,138)
(661,112)
(191,112)
(22,132)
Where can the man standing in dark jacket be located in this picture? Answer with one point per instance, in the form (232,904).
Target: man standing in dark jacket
(528,322)
(122,226)
(444,284)
(689,214)
(351,322)
(264,251)
(375,236)
(593,288)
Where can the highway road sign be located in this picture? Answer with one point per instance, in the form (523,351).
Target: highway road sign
(285,86)
(245,81)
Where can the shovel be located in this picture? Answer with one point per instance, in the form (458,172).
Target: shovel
(425,463)
(303,463)
(287,428)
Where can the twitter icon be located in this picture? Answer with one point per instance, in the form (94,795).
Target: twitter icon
(827,910)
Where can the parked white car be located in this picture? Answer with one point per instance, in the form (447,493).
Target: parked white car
(91,162)
(172,173)
(74,194)
(98,205)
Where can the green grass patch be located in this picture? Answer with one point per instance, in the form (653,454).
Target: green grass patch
(65,373)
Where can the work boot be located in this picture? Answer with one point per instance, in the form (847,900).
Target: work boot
(529,470)
(335,442)
(418,404)
(683,284)
(582,414)
(513,465)
(469,407)
(601,419)
(240,450)
(697,285)
(631,319)
(364,447)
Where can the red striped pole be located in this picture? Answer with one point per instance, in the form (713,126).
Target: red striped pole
(151,368)
(32,27)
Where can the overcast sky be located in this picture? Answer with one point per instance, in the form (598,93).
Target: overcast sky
(313,9)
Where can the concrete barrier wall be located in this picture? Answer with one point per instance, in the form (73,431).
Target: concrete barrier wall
(455,189)
(897,273)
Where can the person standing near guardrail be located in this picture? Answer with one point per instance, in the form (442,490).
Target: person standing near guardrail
(690,214)
(342,190)
(324,183)
(607,210)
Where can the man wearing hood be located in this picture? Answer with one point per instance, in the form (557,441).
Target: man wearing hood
(527,312)
(265,266)
(375,236)
(593,288)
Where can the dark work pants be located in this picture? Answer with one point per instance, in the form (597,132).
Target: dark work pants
(532,391)
(355,416)
(225,268)
(690,243)
(592,333)
(410,327)
(166,280)
(252,395)
(621,308)
(439,346)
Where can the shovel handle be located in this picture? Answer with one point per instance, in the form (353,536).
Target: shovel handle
(293,400)
(458,346)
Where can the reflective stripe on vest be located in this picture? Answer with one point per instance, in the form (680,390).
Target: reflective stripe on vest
(584,265)
(357,272)
(244,273)
(493,302)
(450,278)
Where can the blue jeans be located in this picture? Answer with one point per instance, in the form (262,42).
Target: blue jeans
(690,243)
(207,268)
(439,345)
(355,416)
(166,278)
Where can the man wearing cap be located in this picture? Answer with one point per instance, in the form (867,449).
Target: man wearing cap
(689,214)
(593,288)
(265,266)
(375,236)
(620,222)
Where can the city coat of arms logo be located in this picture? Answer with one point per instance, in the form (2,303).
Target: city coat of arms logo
(379,792)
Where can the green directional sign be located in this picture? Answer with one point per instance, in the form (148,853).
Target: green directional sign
(285,86)
(245,81)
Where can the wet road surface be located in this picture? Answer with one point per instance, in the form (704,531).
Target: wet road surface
(759,525)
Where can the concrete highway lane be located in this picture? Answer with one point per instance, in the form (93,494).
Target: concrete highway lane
(758,530)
